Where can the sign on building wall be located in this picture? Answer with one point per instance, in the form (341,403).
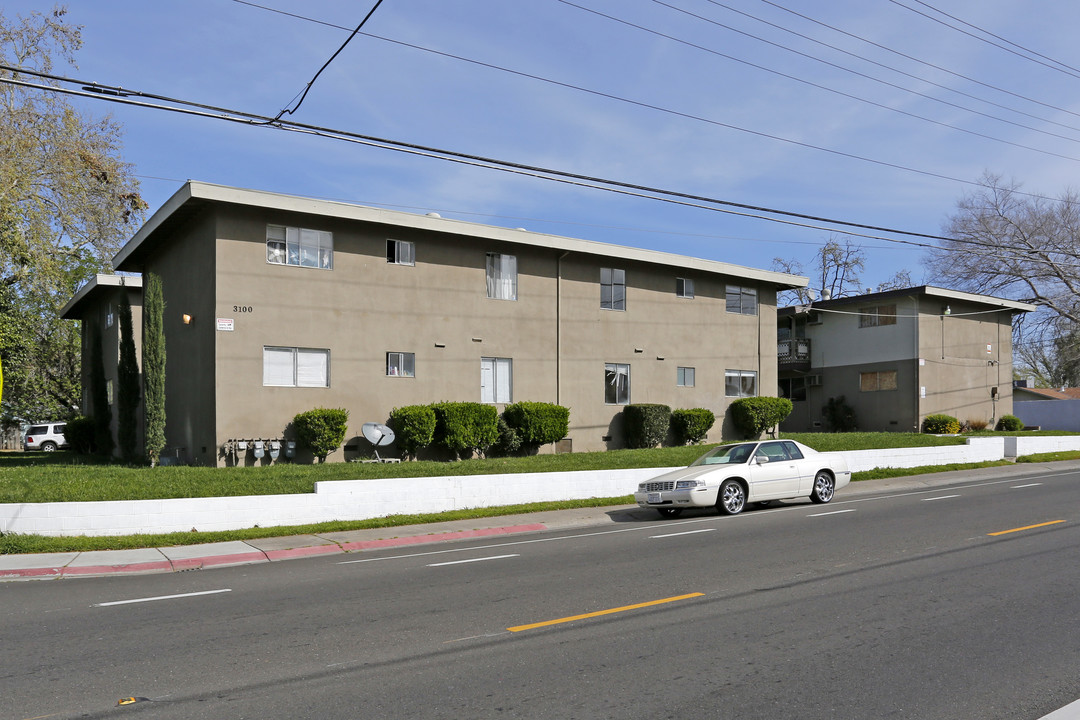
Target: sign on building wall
(225,324)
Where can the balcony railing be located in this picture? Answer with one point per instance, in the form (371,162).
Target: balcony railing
(793,352)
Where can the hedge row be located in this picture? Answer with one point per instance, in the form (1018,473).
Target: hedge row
(647,425)
(464,428)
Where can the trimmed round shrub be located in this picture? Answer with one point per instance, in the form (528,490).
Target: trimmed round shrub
(508,442)
(321,430)
(465,427)
(538,423)
(79,433)
(940,425)
(754,415)
(1009,423)
(646,424)
(690,426)
(414,428)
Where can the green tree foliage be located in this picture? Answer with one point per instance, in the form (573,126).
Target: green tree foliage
(690,426)
(127,387)
(1010,423)
(67,202)
(154,366)
(646,424)
(754,415)
(414,428)
(321,430)
(839,416)
(79,432)
(99,399)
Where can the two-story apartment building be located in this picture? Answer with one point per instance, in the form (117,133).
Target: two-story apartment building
(897,356)
(277,304)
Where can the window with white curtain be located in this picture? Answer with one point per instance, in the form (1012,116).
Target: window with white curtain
(740,383)
(401,364)
(617,383)
(296,367)
(299,246)
(501,276)
(496,380)
(612,289)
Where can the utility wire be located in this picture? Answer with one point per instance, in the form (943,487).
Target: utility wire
(997,37)
(1059,67)
(898,71)
(285,110)
(917,60)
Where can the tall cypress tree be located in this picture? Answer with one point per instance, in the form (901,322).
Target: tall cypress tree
(99,399)
(127,391)
(154,367)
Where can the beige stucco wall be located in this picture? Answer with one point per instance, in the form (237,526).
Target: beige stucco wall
(439,310)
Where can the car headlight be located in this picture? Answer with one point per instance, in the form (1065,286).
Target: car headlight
(641,487)
(689,484)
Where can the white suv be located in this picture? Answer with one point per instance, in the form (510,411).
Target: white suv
(46,437)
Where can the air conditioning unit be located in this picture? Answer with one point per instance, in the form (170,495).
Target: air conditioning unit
(813,380)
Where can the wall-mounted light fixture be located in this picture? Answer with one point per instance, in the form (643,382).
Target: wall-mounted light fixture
(947,310)
(186,319)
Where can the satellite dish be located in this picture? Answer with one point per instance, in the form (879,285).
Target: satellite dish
(377,434)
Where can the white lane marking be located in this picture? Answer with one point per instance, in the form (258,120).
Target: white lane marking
(1017,487)
(834,512)
(940,497)
(161,597)
(1069,712)
(688,532)
(459,562)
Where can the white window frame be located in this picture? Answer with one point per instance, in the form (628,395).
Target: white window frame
(735,383)
(502,276)
(613,289)
(496,380)
(612,373)
(299,247)
(400,252)
(296,367)
(747,300)
(684,376)
(684,287)
(401,364)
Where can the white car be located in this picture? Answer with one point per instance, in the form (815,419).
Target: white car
(47,437)
(730,476)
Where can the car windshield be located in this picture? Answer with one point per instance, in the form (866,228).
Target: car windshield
(726,454)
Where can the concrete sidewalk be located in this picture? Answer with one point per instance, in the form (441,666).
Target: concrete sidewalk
(224,554)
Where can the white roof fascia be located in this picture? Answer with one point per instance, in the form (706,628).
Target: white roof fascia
(961,296)
(395,218)
(100,280)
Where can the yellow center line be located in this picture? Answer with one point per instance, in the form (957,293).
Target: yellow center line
(598,613)
(1027,527)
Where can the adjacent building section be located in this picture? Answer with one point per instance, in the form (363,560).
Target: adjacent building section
(895,357)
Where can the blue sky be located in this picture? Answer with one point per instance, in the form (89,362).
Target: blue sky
(748,141)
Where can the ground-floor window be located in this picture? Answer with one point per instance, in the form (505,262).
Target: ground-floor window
(401,364)
(496,380)
(617,384)
(684,377)
(296,367)
(875,381)
(793,389)
(740,383)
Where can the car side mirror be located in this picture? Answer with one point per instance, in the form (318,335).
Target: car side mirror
(761,459)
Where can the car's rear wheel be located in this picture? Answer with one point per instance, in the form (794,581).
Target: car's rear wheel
(48,446)
(824,487)
(669,512)
(732,498)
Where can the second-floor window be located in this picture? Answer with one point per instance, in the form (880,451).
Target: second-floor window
(612,289)
(742,300)
(501,276)
(684,287)
(400,252)
(300,247)
(877,315)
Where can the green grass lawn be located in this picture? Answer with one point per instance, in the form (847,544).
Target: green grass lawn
(61,476)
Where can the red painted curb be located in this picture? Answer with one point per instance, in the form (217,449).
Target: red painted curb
(157,565)
(421,539)
(237,559)
(31,572)
(302,552)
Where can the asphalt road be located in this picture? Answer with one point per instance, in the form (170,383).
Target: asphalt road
(904,605)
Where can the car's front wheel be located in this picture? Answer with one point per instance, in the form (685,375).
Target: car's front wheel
(732,498)
(824,487)
(669,512)
(48,446)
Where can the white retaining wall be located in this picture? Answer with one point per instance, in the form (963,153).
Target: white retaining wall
(363,499)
